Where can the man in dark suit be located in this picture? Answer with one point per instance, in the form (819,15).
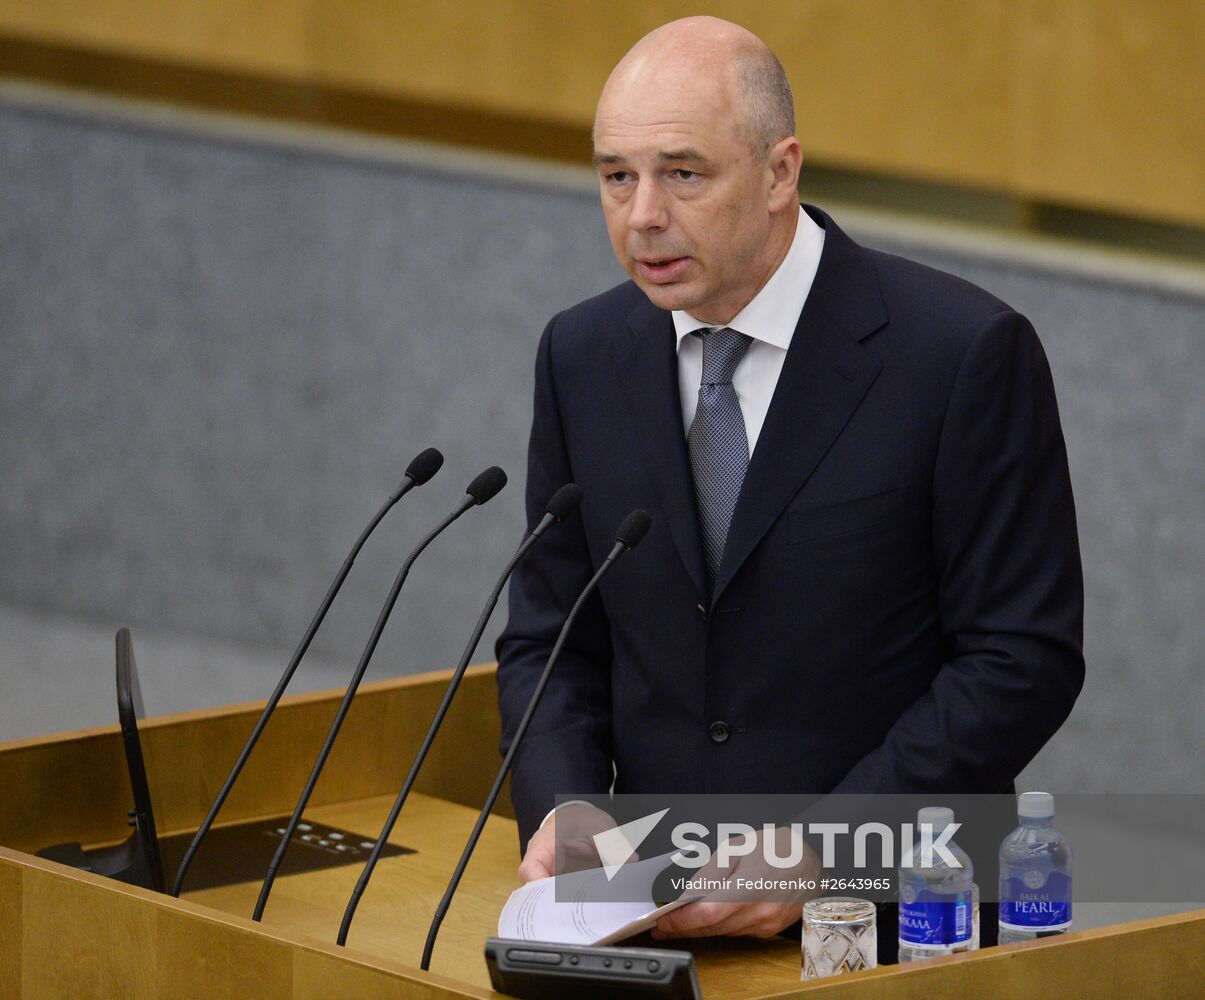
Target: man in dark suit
(863,573)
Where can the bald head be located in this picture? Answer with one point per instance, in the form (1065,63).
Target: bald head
(709,53)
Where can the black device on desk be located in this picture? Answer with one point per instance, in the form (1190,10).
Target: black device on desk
(533,970)
(136,860)
(237,849)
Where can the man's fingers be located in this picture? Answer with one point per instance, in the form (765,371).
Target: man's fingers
(540,859)
(764,920)
(693,920)
(573,850)
(533,868)
(705,919)
(688,916)
(579,847)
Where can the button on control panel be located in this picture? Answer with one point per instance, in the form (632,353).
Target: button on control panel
(538,957)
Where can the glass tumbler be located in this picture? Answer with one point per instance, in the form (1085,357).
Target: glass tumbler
(839,936)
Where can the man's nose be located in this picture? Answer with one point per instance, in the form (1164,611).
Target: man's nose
(648,207)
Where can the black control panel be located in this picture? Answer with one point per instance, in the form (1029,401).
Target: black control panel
(534,970)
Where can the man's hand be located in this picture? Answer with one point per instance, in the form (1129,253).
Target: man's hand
(714,915)
(578,823)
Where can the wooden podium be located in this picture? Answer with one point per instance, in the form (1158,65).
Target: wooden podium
(69,934)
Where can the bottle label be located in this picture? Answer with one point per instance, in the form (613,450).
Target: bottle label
(1035,899)
(934,918)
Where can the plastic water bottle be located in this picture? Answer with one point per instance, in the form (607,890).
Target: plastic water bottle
(936,897)
(974,917)
(1035,874)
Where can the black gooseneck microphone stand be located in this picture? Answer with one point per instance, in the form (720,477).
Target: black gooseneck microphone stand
(627,537)
(419,471)
(562,504)
(479,491)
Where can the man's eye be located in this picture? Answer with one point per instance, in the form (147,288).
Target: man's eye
(618,177)
(685,175)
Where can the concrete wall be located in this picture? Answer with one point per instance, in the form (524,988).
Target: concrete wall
(219,350)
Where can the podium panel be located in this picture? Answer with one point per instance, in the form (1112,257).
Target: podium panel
(70,933)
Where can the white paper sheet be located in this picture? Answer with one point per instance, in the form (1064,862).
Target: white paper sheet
(533,913)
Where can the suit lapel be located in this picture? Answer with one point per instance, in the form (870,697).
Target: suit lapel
(648,373)
(824,378)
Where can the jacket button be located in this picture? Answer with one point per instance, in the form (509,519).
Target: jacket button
(702,611)
(718,731)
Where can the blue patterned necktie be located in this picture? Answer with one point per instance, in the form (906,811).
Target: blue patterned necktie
(719,447)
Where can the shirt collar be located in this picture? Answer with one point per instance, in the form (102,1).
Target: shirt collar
(774,312)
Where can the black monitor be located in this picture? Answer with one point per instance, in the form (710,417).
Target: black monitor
(147,863)
(135,861)
(237,850)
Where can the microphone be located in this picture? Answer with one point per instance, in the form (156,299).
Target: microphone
(481,490)
(563,503)
(633,529)
(422,468)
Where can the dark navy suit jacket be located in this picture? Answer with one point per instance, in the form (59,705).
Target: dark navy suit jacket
(900,603)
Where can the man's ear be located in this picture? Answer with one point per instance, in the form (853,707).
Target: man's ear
(783,164)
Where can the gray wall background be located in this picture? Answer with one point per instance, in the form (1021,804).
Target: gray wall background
(219,350)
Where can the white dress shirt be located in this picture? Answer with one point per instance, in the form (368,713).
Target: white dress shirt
(770,319)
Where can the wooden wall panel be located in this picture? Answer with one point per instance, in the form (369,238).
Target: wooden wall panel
(1089,103)
(271,38)
(1113,101)
(507,56)
(912,89)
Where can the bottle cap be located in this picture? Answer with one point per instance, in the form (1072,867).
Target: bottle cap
(1035,805)
(938,817)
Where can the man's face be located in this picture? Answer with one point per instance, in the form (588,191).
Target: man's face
(684,195)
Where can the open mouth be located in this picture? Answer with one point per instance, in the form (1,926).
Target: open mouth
(663,269)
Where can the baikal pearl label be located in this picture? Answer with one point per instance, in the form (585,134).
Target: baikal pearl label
(1034,899)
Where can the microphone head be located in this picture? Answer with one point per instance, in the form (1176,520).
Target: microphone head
(633,528)
(424,465)
(487,485)
(564,501)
